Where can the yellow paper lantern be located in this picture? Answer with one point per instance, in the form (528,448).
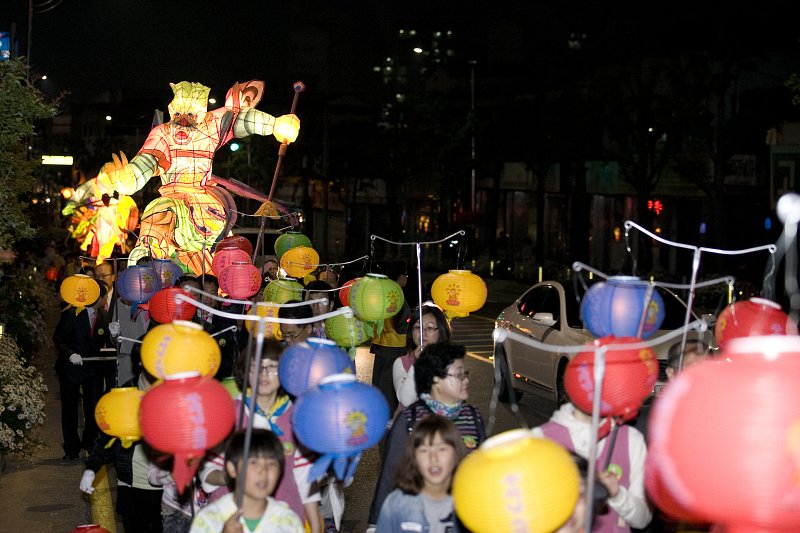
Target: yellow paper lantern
(117,414)
(180,346)
(459,293)
(516,482)
(299,261)
(79,290)
(271,329)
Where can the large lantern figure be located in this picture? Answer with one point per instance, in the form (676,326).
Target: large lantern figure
(280,291)
(289,240)
(79,290)
(186,415)
(756,316)
(622,306)
(630,377)
(117,414)
(180,346)
(163,308)
(240,280)
(303,365)
(459,293)
(235,241)
(137,284)
(226,257)
(375,297)
(346,331)
(724,439)
(354,417)
(300,261)
(344,292)
(167,270)
(516,482)
(271,329)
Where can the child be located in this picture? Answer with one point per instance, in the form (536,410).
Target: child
(422,500)
(259,512)
(273,412)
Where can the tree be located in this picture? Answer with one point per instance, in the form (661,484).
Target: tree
(21,106)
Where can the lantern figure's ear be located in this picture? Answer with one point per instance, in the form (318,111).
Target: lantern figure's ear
(244,95)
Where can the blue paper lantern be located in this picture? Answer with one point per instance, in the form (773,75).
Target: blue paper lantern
(168,271)
(620,305)
(340,418)
(304,364)
(137,284)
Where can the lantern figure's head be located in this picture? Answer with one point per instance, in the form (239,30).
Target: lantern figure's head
(190,103)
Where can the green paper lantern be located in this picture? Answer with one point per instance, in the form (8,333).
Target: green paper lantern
(230,385)
(375,298)
(346,331)
(281,291)
(289,240)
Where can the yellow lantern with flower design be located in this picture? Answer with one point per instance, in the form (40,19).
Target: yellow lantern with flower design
(300,261)
(79,290)
(117,414)
(459,293)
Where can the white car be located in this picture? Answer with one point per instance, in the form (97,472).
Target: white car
(549,312)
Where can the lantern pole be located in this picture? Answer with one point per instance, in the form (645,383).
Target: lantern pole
(298,87)
(419,293)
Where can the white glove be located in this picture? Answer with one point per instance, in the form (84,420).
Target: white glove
(76,359)
(86,481)
(113,328)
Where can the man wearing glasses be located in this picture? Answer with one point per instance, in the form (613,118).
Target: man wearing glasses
(294,333)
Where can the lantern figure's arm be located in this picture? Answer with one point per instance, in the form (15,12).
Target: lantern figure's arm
(254,122)
(129,177)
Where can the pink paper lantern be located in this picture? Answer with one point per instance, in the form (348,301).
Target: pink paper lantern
(223,258)
(240,280)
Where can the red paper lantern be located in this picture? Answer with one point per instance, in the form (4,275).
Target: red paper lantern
(223,258)
(235,241)
(344,292)
(756,316)
(51,274)
(240,280)
(90,528)
(163,307)
(725,437)
(629,378)
(186,415)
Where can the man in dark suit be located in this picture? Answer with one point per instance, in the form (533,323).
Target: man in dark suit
(79,336)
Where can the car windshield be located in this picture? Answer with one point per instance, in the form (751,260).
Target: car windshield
(573,304)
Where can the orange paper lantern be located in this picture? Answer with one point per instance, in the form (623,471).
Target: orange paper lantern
(79,290)
(459,293)
(117,414)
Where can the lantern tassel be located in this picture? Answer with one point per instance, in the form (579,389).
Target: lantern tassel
(344,467)
(184,469)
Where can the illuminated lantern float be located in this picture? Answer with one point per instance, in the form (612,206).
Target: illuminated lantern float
(184,416)
(303,365)
(240,280)
(354,417)
(137,284)
(300,261)
(117,414)
(724,439)
(756,316)
(516,482)
(622,306)
(289,240)
(280,291)
(459,293)
(79,291)
(375,298)
(164,309)
(178,347)
(167,270)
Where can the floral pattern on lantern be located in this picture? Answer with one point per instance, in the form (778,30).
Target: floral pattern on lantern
(167,270)
(280,291)
(289,240)
(374,298)
(459,293)
(164,309)
(227,256)
(304,364)
(240,280)
(186,415)
(271,329)
(516,482)
(117,414)
(346,331)
(79,290)
(756,316)
(354,416)
(620,305)
(300,261)
(137,284)
(178,347)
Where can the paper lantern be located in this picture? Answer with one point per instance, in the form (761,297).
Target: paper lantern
(230,385)
(344,292)
(724,438)
(459,293)
(304,364)
(354,417)
(79,290)
(227,256)
(289,240)
(51,274)
(167,270)
(281,291)
(346,331)
(177,347)
(236,241)
(164,309)
(300,261)
(240,280)
(271,329)
(90,528)
(137,284)
(186,415)
(375,297)
(117,414)
(756,316)
(620,305)
(629,378)
(516,482)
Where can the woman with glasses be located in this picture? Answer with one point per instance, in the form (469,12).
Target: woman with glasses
(442,383)
(435,328)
